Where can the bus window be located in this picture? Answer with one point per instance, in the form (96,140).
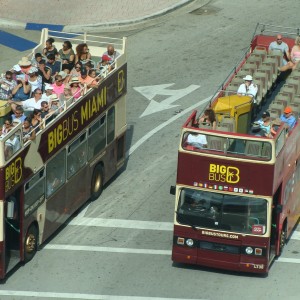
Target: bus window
(76,156)
(34,192)
(12,145)
(110,125)
(280,142)
(97,137)
(56,173)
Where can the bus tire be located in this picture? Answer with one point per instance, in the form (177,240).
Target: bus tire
(30,243)
(283,239)
(97,182)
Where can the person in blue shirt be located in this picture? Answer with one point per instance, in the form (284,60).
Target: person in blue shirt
(288,118)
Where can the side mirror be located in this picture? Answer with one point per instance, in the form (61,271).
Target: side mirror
(279,209)
(172,190)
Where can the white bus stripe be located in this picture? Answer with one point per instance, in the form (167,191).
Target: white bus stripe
(40,295)
(106,249)
(131,224)
(288,260)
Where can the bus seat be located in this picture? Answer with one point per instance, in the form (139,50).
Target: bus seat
(276,54)
(255,59)
(215,143)
(260,79)
(253,148)
(296,99)
(295,107)
(288,91)
(266,151)
(274,114)
(273,62)
(204,125)
(281,100)
(295,73)
(276,107)
(294,82)
(229,123)
(250,67)
(268,70)
(242,73)
(261,51)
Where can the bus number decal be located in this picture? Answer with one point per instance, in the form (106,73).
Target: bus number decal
(13,173)
(223,173)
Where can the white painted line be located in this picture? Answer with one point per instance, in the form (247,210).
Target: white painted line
(107,249)
(295,235)
(288,260)
(117,223)
(40,295)
(161,126)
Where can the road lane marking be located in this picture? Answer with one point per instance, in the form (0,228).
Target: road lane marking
(161,89)
(40,295)
(107,249)
(163,125)
(131,224)
(288,260)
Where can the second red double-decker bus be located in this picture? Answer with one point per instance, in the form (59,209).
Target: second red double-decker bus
(237,190)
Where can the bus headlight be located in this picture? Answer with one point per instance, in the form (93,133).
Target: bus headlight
(189,242)
(249,250)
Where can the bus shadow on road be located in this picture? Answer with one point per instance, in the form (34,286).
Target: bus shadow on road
(217,271)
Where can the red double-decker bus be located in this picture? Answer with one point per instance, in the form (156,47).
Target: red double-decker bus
(45,180)
(237,189)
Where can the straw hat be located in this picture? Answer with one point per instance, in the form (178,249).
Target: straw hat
(74,80)
(24,62)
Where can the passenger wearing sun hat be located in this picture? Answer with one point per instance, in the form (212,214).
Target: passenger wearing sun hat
(25,64)
(288,118)
(247,88)
(75,87)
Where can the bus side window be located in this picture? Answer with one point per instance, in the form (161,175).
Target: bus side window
(97,137)
(55,173)
(110,125)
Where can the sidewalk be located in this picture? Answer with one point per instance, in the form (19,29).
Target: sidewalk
(72,14)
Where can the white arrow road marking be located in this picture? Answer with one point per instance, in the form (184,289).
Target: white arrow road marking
(161,126)
(153,90)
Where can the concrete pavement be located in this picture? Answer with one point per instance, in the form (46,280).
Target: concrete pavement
(75,15)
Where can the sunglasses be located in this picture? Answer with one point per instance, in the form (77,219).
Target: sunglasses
(59,80)
(7,123)
(38,93)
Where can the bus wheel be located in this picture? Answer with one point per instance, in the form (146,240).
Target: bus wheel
(97,182)
(282,241)
(30,244)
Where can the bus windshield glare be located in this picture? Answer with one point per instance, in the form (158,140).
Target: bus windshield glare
(222,211)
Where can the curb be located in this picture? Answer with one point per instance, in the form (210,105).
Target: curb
(5,23)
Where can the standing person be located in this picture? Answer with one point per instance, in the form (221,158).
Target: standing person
(247,88)
(82,53)
(67,55)
(280,45)
(209,117)
(50,48)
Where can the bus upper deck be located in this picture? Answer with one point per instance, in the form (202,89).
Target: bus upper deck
(92,101)
(236,134)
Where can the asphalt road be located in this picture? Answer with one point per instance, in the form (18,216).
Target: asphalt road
(119,246)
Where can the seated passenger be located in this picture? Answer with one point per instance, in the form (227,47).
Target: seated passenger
(44,72)
(58,85)
(76,88)
(67,55)
(247,88)
(111,52)
(25,64)
(12,145)
(22,90)
(275,124)
(7,126)
(19,114)
(209,117)
(35,80)
(76,70)
(295,57)
(283,47)
(86,80)
(197,140)
(82,54)
(54,65)
(50,48)
(28,132)
(37,58)
(48,92)
(265,124)
(7,85)
(36,120)
(104,66)
(288,118)
(93,74)
(66,98)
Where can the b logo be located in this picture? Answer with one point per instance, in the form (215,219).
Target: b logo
(232,175)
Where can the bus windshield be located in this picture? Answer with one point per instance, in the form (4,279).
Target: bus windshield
(222,211)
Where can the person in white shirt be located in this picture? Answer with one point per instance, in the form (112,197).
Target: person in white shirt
(247,88)
(197,140)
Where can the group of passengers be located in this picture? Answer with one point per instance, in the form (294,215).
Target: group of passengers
(49,84)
